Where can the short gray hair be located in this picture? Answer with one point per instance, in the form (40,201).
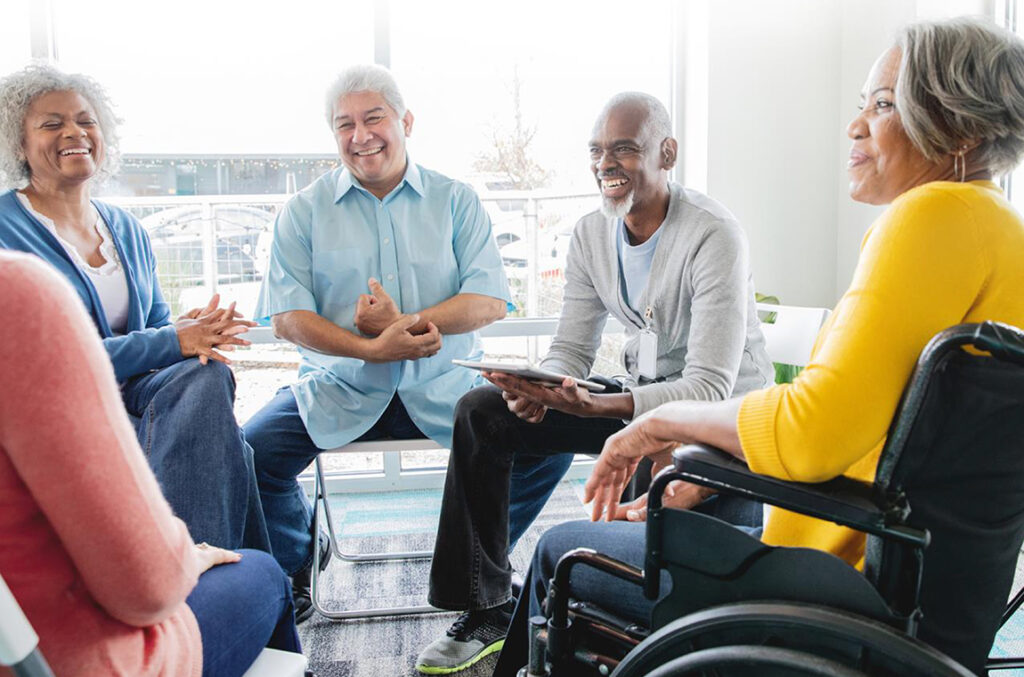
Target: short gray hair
(17,92)
(657,124)
(365,78)
(962,79)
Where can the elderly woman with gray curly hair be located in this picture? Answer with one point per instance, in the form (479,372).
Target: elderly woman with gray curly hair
(58,138)
(941,114)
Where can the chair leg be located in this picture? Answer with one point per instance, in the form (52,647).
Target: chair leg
(358,557)
(320,500)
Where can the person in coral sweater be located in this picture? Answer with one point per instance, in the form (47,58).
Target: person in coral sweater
(949,249)
(106,574)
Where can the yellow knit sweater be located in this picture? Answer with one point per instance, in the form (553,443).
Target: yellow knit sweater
(943,253)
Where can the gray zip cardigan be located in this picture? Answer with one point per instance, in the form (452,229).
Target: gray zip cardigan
(701,294)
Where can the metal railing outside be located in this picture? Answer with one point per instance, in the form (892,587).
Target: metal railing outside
(206,244)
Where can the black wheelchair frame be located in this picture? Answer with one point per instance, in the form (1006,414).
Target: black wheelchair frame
(878,635)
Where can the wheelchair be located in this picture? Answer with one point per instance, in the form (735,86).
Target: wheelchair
(944,521)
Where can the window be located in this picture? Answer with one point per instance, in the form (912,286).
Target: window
(215,78)
(15,37)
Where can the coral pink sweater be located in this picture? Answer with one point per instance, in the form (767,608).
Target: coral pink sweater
(88,545)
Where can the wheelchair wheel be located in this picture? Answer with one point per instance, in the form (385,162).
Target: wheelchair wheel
(757,658)
(846,639)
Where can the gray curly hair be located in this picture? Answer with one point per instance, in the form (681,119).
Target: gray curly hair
(17,92)
(959,80)
(365,78)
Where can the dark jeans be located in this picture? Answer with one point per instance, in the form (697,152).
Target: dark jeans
(242,608)
(185,421)
(501,472)
(282,450)
(625,541)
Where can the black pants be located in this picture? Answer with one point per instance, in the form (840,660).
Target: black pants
(501,472)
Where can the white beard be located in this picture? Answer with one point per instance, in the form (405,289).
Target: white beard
(617,209)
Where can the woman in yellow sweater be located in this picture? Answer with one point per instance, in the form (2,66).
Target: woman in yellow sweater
(942,113)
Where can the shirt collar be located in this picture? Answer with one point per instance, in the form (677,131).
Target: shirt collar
(412,177)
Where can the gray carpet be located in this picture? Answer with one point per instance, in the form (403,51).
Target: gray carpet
(388,647)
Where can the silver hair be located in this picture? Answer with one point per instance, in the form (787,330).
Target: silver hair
(17,92)
(961,80)
(365,78)
(657,124)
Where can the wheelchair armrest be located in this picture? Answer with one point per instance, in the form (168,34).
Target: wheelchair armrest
(842,500)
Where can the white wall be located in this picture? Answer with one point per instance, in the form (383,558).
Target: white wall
(773,97)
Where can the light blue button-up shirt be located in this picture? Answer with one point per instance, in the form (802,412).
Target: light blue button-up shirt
(426,241)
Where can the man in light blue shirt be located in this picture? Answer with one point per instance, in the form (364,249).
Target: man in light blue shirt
(380,271)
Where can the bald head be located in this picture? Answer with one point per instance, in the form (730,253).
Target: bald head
(656,125)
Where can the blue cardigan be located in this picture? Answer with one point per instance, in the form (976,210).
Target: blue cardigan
(151,342)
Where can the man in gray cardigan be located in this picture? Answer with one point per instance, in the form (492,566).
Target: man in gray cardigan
(671,265)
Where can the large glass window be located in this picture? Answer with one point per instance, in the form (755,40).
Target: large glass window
(223,117)
(15,35)
(215,78)
(505,98)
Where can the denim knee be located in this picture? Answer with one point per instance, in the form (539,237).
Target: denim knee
(264,573)
(210,382)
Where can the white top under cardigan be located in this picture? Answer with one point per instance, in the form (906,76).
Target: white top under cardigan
(109,278)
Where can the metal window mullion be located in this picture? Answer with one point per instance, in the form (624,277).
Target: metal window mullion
(382,33)
(41,32)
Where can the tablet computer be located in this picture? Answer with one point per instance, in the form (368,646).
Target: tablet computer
(529,372)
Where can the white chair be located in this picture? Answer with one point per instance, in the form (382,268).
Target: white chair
(790,337)
(19,647)
(275,663)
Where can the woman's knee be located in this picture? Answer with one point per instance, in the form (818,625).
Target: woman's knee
(211,381)
(263,573)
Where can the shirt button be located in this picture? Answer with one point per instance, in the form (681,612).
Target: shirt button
(387,240)
(390,276)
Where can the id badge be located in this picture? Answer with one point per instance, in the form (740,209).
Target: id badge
(647,353)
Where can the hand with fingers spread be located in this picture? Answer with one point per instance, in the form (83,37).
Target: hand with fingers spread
(622,452)
(678,495)
(211,556)
(396,342)
(210,307)
(209,332)
(375,311)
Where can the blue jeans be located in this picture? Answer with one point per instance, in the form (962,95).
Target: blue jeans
(625,541)
(242,608)
(184,418)
(282,449)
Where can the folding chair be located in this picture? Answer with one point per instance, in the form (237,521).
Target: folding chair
(321,501)
(944,520)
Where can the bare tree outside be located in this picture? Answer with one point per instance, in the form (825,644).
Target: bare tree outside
(509,154)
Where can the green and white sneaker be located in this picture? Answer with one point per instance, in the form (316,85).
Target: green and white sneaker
(473,635)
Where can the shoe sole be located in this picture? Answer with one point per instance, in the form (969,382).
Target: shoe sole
(438,670)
